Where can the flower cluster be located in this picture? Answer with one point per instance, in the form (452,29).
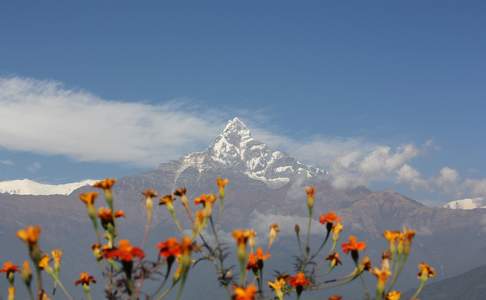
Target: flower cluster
(125,266)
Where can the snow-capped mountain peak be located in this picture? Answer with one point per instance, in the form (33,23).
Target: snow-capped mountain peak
(468,203)
(30,187)
(236,148)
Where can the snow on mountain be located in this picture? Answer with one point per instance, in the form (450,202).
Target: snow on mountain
(236,148)
(468,203)
(30,187)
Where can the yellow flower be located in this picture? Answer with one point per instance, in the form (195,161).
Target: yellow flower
(382,275)
(393,295)
(272,234)
(336,230)
(88,198)
(30,235)
(277,286)
(57,257)
(44,262)
(244,293)
(200,221)
(405,240)
(425,271)
(221,183)
(26,273)
(310,192)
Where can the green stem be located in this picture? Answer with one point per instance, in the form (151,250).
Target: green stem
(181,286)
(419,289)
(31,294)
(166,292)
(56,280)
(87,293)
(307,247)
(398,268)
(322,246)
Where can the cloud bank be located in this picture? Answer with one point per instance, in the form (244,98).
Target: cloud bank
(45,117)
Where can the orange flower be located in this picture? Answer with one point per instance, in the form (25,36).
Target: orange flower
(169,249)
(9,268)
(125,252)
(299,279)
(334,259)
(255,260)
(85,279)
(425,271)
(244,293)
(330,217)
(335,297)
(353,245)
(105,184)
(205,199)
(299,282)
(30,235)
(106,216)
(88,198)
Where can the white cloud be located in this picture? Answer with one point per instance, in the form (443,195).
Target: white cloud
(45,117)
(351,162)
(409,175)
(476,187)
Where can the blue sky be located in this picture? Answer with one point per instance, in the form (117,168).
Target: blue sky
(380,73)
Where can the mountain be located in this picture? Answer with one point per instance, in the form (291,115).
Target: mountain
(470,285)
(266,186)
(468,203)
(30,187)
(235,148)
